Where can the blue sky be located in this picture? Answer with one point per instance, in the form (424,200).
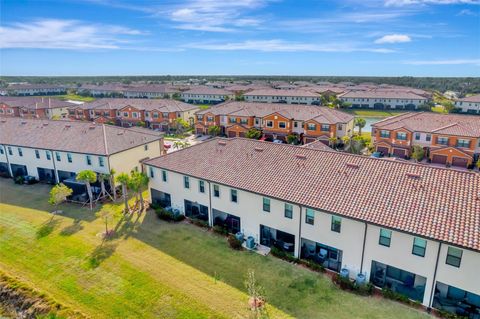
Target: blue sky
(240,37)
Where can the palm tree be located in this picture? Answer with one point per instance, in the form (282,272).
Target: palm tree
(88,177)
(346,140)
(139,182)
(124,179)
(101,179)
(361,124)
(111,177)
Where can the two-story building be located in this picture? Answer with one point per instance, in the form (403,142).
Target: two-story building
(291,96)
(276,121)
(158,114)
(35,89)
(469,104)
(384,99)
(34,107)
(206,95)
(448,139)
(53,151)
(412,228)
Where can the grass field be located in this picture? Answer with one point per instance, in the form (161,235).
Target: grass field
(373,113)
(155,269)
(74,97)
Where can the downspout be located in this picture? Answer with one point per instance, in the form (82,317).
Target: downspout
(434,278)
(363,247)
(210,213)
(300,232)
(57,179)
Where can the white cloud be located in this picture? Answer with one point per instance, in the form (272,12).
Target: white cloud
(445,62)
(64,34)
(468,12)
(393,38)
(283,46)
(399,3)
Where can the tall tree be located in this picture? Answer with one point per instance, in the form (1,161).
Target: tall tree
(59,194)
(361,124)
(88,177)
(124,179)
(138,183)
(103,190)
(418,153)
(214,130)
(332,141)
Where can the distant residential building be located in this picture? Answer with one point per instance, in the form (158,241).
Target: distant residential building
(35,89)
(448,139)
(290,96)
(384,99)
(469,104)
(276,121)
(34,107)
(206,95)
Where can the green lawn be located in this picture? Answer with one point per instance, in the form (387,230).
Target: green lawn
(155,269)
(74,97)
(204,106)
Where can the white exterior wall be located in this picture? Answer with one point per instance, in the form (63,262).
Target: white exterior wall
(349,240)
(399,255)
(392,102)
(276,99)
(468,106)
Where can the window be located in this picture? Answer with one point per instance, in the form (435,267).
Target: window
(295,124)
(310,216)
(232,120)
(165,114)
(164,175)
(200,117)
(89,160)
(210,118)
(428,138)
(150,170)
(216,191)
(155,115)
(402,136)
(233,195)
(311,126)
(57,156)
(47,153)
(385,237)
(266,204)
(20,152)
(417,136)
(442,140)
(125,114)
(269,123)
(419,246)
(384,134)
(69,157)
(186,182)
(325,128)
(37,154)
(1,150)
(201,186)
(10,152)
(454,256)
(463,143)
(340,127)
(288,211)
(282,125)
(244,121)
(145,147)
(336,224)
(101,162)
(134,114)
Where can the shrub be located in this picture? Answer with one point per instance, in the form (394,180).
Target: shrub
(279,253)
(164,214)
(312,265)
(449,315)
(346,284)
(234,242)
(220,230)
(390,294)
(199,222)
(19,180)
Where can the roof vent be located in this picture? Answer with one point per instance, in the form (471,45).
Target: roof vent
(222,143)
(91,127)
(300,156)
(414,175)
(68,126)
(258,149)
(4,121)
(353,165)
(23,122)
(120,133)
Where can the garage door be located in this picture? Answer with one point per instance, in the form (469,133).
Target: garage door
(399,152)
(384,150)
(241,134)
(199,131)
(232,134)
(459,161)
(439,159)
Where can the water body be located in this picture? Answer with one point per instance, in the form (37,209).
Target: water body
(370,121)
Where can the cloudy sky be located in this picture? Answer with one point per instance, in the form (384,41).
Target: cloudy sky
(248,37)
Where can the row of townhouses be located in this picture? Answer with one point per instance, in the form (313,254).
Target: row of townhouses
(276,121)
(52,151)
(469,104)
(286,96)
(384,99)
(411,228)
(34,107)
(129,91)
(206,95)
(34,89)
(451,139)
(158,114)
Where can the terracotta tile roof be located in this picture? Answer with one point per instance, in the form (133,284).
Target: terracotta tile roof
(34,102)
(297,112)
(450,124)
(435,203)
(318,145)
(73,136)
(207,91)
(286,93)
(473,99)
(162,105)
(383,94)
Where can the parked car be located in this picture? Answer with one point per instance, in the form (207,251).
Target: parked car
(377,154)
(278,141)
